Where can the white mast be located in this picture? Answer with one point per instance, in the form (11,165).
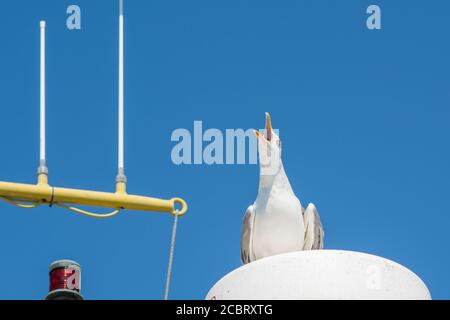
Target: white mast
(42,163)
(121,171)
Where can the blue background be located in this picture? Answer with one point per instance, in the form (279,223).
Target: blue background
(364,118)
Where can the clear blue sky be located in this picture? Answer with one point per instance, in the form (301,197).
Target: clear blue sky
(364,118)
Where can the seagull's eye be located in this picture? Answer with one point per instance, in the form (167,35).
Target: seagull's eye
(279,143)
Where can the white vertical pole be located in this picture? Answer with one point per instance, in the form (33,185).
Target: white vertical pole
(42,165)
(121,171)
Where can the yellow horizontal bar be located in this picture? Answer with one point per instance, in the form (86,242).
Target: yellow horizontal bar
(117,200)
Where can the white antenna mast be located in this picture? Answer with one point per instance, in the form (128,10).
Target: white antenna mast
(121,178)
(42,170)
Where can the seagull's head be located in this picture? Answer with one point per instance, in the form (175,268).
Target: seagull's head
(269,149)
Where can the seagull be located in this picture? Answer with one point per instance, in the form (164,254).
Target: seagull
(276,222)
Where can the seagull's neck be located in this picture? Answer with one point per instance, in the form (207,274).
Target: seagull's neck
(278,180)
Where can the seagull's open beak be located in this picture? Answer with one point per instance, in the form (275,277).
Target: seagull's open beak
(268,127)
(268,134)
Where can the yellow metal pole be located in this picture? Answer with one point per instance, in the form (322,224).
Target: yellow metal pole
(118,200)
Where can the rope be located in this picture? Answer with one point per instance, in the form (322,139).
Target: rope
(87,213)
(22,205)
(35,204)
(172,249)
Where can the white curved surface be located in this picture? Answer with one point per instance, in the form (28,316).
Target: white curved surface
(320,274)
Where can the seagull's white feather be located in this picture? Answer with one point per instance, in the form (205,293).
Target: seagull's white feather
(247,235)
(278,224)
(314,230)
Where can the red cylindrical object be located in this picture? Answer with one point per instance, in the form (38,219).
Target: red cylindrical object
(65,278)
(65,281)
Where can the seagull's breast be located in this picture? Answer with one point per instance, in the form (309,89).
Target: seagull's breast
(278,226)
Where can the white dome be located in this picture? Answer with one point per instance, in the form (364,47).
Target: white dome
(320,274)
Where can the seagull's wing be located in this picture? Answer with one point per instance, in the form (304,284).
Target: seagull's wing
(313,229)
(247,235)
